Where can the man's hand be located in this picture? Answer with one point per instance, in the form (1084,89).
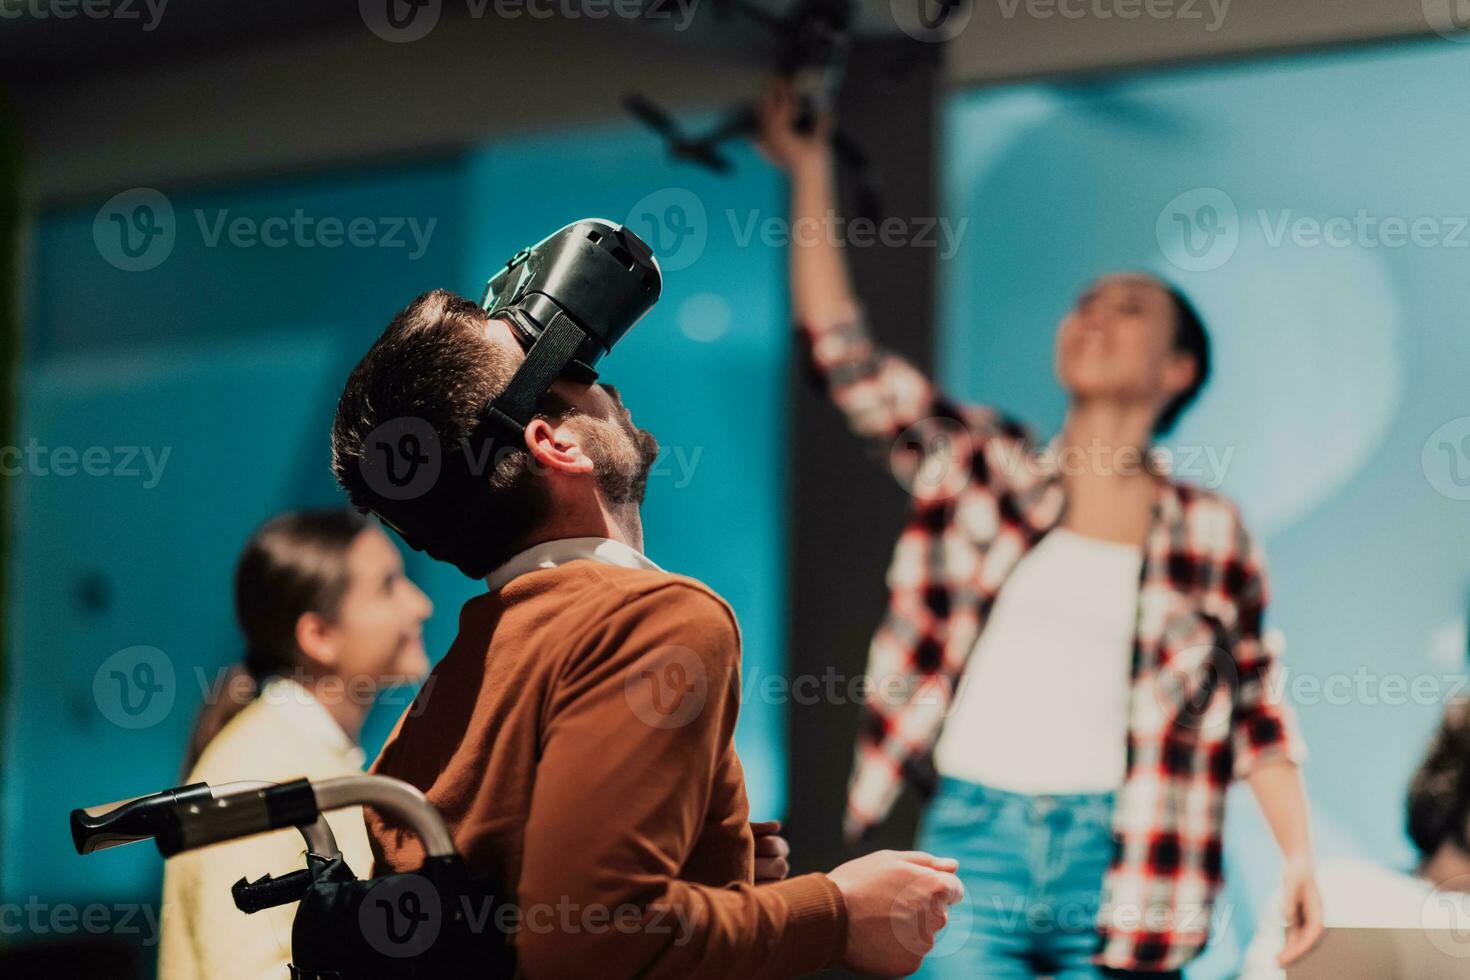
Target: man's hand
(897,901)
(771,851)
(1302,906)
(779,142)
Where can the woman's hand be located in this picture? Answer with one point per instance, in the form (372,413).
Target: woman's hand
(771,851)
(1302,906)
(778,140)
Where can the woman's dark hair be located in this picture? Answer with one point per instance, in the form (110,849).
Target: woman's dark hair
(1439,793)
(1189,338)
(292,565)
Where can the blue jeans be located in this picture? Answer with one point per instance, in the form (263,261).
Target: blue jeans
(1033,869)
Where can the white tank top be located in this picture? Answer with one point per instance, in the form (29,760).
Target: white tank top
(1042,707)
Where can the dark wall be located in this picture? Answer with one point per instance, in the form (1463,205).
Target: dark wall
(846,507)
(10,221)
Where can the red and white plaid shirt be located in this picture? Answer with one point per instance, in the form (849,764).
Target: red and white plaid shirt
(1203,705)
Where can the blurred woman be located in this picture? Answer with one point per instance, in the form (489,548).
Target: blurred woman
(1074,665)
(328,619)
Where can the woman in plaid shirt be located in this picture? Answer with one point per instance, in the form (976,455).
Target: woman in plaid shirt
(1072,668)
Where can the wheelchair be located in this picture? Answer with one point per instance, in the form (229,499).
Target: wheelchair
(440,920)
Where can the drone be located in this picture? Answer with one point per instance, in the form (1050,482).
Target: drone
(816,39)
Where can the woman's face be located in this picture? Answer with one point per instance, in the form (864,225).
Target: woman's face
(377,631)
(1117,342)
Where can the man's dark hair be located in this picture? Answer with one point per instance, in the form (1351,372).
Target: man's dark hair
(1439,793)
(436,365)
(1189,338)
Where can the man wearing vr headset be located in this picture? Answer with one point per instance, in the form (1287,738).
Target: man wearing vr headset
(578,735)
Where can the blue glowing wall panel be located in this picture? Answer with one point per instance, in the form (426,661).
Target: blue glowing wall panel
(222,363)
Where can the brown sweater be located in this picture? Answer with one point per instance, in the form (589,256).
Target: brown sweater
(577,739)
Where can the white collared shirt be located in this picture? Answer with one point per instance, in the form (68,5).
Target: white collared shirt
(551,554)
(299,708)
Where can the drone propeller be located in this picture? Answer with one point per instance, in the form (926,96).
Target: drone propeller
(815,43)
(652,114)
(701,151)
(705,155)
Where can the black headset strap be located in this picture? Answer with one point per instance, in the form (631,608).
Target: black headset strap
(505,418)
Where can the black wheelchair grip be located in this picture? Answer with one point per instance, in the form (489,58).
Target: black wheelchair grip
(94,828)
(268,892)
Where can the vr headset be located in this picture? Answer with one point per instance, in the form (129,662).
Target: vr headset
(568,299)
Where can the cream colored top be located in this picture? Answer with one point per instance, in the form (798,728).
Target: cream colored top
(284,734)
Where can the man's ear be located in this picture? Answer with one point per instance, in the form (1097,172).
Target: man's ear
(315,638)
(557,448)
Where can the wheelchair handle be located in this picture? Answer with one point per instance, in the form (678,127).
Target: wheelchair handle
(189,816)
(197,815)
(96,828)
(392,798)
